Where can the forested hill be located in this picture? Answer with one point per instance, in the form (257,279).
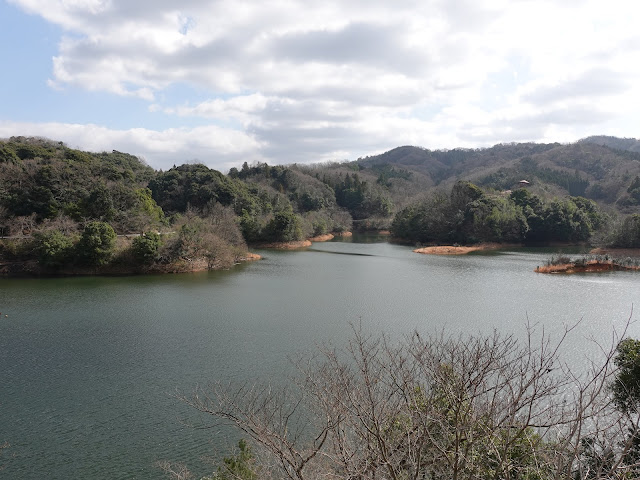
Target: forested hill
(630,144)
(593,170)
(46,179)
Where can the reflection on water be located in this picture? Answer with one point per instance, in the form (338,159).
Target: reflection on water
(89,366)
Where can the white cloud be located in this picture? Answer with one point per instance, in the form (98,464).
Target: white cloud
(306,80)
(242,107)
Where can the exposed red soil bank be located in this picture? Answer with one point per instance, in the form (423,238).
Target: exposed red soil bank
(302,243)
(286,245)
(322,238)
(457,250)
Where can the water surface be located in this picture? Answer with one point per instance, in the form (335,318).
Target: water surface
(89,366)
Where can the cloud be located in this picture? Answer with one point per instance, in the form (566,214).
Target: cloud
(241,107)
(597,82)
(358,44)
(317,80)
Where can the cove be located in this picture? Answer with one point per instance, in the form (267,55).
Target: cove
(89,366)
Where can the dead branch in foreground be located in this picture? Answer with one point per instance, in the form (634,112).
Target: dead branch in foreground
(437,407)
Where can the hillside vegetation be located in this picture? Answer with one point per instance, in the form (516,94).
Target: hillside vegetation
(55,199)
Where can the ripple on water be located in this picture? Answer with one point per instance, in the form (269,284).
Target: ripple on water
(90,366)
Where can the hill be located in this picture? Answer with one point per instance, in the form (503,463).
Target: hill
(598,172)
(630,144)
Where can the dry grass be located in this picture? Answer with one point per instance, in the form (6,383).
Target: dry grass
(587,266)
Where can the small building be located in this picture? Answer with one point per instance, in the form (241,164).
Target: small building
(524,183)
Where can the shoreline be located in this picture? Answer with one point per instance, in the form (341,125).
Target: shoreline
(298,244)
(31,268)
(322,238)
(284,245)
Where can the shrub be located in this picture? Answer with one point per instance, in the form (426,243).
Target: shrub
(145,247)
(54,249)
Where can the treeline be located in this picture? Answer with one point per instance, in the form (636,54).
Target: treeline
(470,215)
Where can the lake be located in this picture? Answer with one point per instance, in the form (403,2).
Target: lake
(89,367)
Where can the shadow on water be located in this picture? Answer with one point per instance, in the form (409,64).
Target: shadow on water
(341,253)
(361,238)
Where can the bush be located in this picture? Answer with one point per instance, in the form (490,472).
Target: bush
(438,407)
(54,249)
(559,259)
(626,388)
(199,238)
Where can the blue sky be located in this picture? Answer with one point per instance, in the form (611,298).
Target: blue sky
(311,81)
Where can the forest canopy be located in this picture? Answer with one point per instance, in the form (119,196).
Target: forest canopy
(469,215)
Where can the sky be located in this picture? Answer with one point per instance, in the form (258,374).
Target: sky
(222,82)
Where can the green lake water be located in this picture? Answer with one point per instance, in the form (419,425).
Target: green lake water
(89,367)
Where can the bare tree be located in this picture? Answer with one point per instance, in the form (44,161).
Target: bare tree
(437,407)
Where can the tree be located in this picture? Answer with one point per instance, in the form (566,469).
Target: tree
(634,189)
(199,238)
(4,221)
(145,247)
(285,226)
(601,456)
(627,234)
(430,221)
(97,244)
(626,387)
(433,408)
(250,227)
(53,247)
(99,204)
(464,193)
(241,466)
